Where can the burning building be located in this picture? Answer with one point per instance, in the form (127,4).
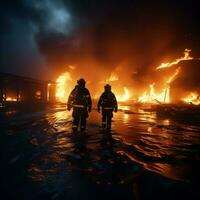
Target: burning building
(187,86)
(178,81)
(22,90)
(172,82)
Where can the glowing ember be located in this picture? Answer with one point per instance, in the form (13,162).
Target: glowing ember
(192,98)
(173,77)
(125,96)
(48,89)
(38,94)
(62,87)
(11,99)
(185,57)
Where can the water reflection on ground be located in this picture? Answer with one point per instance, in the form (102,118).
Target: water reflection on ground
(143,153)
(162,145)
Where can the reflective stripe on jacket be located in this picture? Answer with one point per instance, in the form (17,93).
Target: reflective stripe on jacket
(78,106)
(79,98)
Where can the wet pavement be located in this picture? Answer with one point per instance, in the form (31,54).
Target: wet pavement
(143,157)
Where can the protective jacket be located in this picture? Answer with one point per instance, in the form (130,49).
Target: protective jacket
(79,98)
(107,101)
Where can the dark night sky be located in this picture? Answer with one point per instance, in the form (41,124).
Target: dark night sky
(40,38)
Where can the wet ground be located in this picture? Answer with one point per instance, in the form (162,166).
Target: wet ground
(143,157)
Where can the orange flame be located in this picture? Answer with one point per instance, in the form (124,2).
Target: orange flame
(173,77)
(153,97)
(11,99)
(163,96)
(150,96)
(62,87)
(192,98)
(113,77)
(125,96)
(169,64)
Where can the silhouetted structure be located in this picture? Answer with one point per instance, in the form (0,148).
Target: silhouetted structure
(22,90)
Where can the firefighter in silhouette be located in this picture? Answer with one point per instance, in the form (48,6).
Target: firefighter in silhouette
(108,103)
(80,100)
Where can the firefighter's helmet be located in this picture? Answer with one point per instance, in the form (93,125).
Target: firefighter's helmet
(107,87)
(81,81)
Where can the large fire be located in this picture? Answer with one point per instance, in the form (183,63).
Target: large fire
(159,97)
(63,88)
(164,95)
(123,94)
(153,97)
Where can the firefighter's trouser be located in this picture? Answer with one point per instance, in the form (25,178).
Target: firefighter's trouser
(80,115)
(107,114)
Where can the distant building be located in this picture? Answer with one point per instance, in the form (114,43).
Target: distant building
(23,90)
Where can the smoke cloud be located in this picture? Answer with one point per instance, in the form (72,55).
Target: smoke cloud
(42,39)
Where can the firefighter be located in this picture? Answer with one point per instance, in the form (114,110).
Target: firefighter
(108,103)
(80,100)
